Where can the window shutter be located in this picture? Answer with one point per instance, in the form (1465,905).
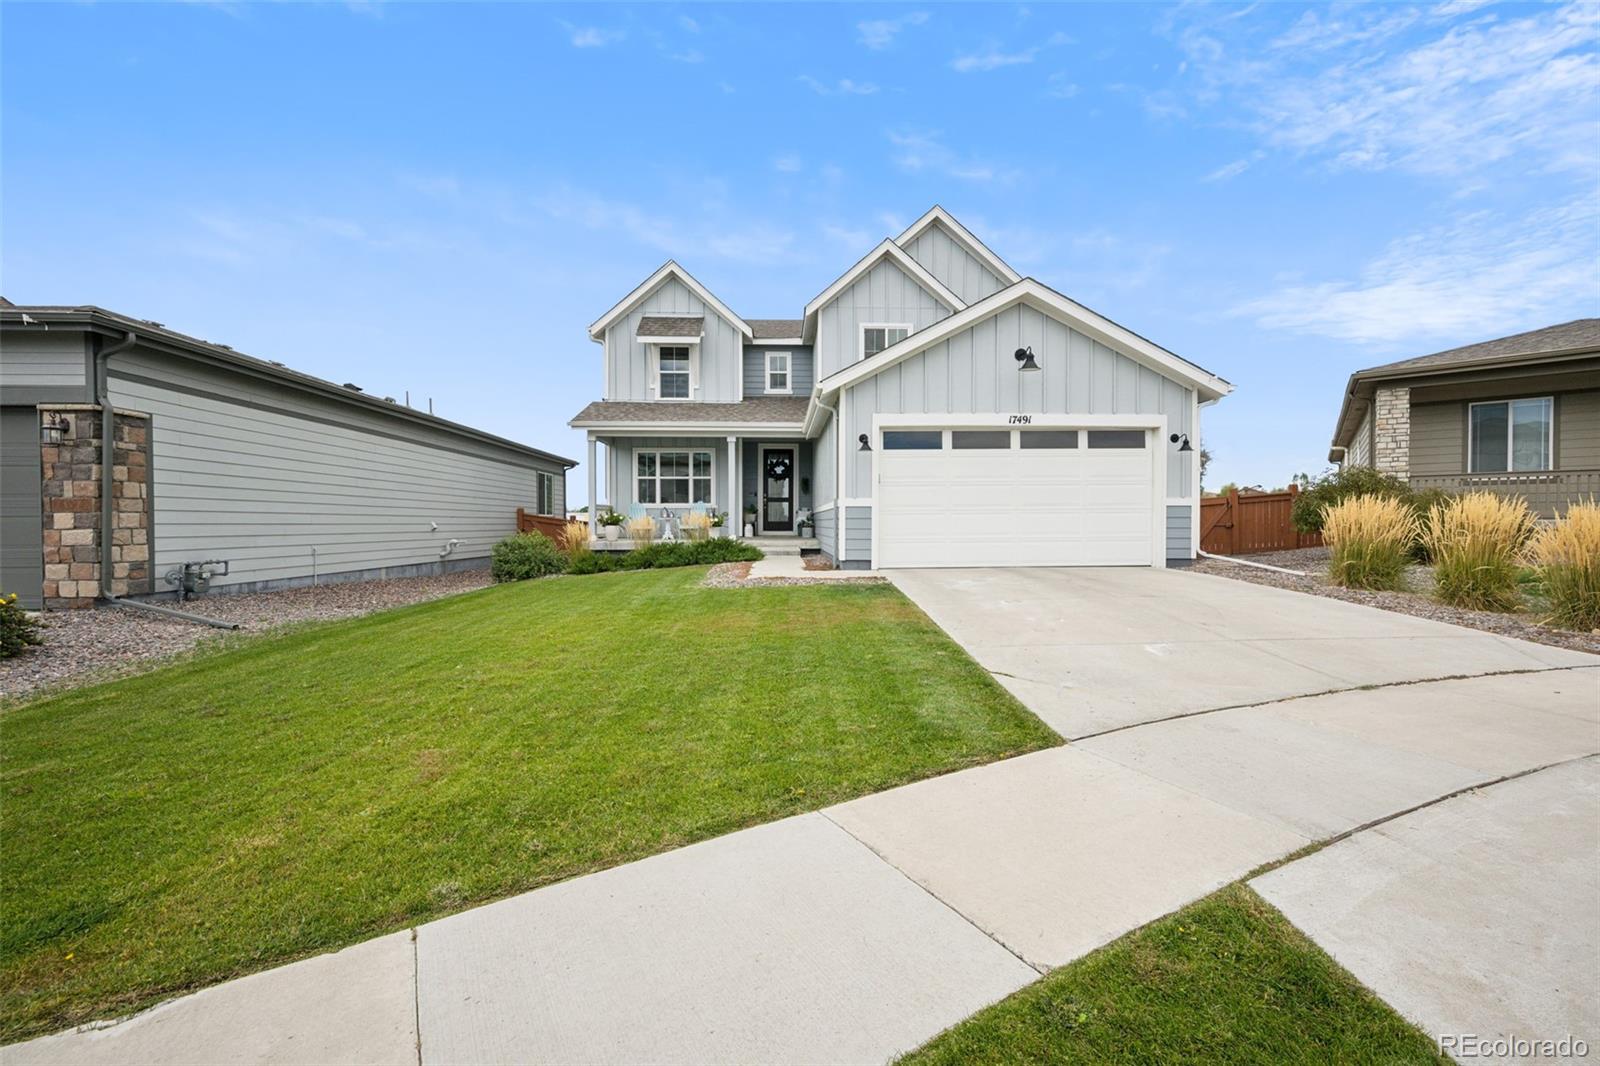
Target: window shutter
(652,364)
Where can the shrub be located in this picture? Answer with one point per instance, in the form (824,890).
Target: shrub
(1327,490)
(1369,539)
(1475,541)
(17,629)
(1568,557)
(690,553)
(526,555)
(593,563)
(641,530)
(575,539)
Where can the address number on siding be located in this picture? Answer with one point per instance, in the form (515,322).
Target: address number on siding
(1020,420)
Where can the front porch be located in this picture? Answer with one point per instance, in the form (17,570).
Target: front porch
(795,545)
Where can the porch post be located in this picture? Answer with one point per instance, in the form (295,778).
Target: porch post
(594,481)
(734,514)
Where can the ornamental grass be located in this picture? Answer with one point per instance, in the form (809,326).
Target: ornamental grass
(1369,540)
(1476,541)
(1568,557)
(641,530)
(696,525)
(575,539)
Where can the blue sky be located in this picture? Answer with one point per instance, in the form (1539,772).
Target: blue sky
(441,198)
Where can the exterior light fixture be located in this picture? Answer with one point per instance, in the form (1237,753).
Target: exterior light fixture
(1184,437)
(54,427)
(1025,357)
(865,446)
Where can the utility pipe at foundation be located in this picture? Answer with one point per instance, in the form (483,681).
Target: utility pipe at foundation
(1258,566)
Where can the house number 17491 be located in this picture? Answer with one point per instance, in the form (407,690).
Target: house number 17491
(1021,420)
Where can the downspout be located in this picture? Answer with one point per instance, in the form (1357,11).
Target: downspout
(108,454)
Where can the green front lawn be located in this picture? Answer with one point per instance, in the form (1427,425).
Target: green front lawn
(1225,980)
(307,791)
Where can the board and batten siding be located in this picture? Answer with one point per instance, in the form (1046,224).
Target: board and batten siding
(826,462)
(1179,517)
(974,372)
(961,272)
(885,293)
(257,473)
(720,353)
(801,367)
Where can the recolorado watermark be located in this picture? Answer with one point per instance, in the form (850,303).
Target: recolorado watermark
(1503,1046)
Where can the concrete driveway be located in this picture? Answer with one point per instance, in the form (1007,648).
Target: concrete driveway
(1093,649)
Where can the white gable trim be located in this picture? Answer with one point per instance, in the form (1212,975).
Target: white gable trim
(963,237)
(886,250)
(1046,300)
(669,269)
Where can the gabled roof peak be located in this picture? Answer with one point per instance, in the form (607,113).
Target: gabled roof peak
(937,215)
(669,269)
(886,249)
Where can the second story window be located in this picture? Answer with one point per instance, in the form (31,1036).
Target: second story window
(674,374)
(876,337)
(778,372)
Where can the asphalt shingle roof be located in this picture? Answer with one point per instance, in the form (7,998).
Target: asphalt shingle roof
(774,409)
(775,328)
(677,326)
(1576,335)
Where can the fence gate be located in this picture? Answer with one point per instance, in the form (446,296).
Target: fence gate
(1255,522)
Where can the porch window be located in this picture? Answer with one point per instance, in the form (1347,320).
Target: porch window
(875,338)
(674,373)
(673,477)
(778,372)
(547,493)
(1507,435)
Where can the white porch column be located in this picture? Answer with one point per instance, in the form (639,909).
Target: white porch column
(594,481)
(734,515)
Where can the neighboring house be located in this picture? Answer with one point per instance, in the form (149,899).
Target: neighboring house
(930,408)
(222,456)
(1517,415)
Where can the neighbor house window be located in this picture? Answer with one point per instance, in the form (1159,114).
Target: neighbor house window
(778,372)
(876,338)
(1510,435)
(547,493)
(673,477)
(674,373)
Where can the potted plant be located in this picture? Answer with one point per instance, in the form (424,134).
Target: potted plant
(611,525)
(803,526)
(749,519)
(718,522)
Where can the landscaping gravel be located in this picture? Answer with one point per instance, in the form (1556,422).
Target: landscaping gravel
(1418,602)
(82,647)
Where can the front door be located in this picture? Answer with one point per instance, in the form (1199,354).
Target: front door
(777,490)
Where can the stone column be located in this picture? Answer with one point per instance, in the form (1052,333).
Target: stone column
(1391,453)
(73,573)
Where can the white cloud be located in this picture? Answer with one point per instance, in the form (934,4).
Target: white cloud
(712,230)
(1235,168)
(849,237)
(879,34)
(1482,274)
(991,57)
(842,87)
(692,55)
(787,164)
(688,24)
(1061,86)
(916,151)
(591,36)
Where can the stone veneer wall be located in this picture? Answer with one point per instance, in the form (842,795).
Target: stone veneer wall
(1391,452)
(71,505)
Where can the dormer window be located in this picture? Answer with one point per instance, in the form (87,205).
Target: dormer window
(778,372)
(674,363)
(876,336)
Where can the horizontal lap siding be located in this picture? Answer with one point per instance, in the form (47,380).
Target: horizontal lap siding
(264,474)
(1438,439)
(1178,529)
(801,367)
(827,531)
(1578,430)
(883,294)
(1360,451)
(961,272)
(858,534)
(44,360)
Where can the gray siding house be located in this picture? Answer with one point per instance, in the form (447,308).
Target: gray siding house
(1518,415)
(218,455)
(930,407)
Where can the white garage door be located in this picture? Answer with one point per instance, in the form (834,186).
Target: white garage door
(1003,497)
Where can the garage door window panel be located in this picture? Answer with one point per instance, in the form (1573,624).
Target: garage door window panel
(1116,438)
(913,440)
(974,439)
(1049,438)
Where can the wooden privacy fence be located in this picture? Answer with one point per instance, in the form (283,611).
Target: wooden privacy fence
(1254,522)
(550,525)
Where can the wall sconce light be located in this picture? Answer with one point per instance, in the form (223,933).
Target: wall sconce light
(865,446)
(54,427)
(1184,447)
(1025,357)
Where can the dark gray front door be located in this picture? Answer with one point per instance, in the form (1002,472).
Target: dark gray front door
(777,490)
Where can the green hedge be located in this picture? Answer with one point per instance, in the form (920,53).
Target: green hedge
(677,553)
(524,556)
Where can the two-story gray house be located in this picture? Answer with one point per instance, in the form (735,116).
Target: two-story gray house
(930,408)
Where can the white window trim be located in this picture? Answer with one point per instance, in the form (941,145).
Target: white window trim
(1549,435)
(788,375)
(655,371)
(861,336)
(633,474)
